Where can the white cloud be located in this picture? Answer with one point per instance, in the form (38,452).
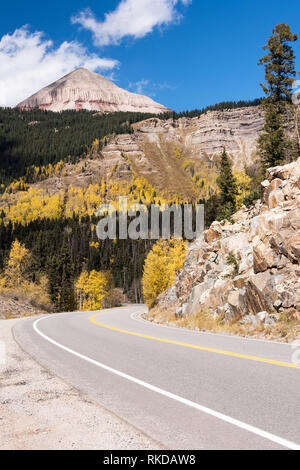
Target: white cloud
(146,87)
(134,18)
(139,87)
(29,62)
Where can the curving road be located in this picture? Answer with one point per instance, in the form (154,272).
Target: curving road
(184,389)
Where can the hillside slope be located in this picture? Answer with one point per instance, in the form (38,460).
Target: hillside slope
(179,158)
(247,272)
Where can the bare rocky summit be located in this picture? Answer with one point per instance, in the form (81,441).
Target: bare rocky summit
(248,269)
(83,89)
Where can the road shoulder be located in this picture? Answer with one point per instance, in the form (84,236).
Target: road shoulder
(40,411)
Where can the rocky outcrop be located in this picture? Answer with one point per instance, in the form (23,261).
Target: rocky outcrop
(151,148)
(11,307)
(205,136)
(248,270)
(83,89)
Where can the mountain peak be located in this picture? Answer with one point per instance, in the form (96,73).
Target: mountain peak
(83,89)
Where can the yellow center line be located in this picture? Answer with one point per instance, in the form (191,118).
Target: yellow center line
(194,346)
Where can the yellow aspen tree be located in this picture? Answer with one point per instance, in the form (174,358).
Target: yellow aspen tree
(243,183)
(161,265)
(91,289)
(17,265)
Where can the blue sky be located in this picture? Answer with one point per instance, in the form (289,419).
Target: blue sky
(184,54)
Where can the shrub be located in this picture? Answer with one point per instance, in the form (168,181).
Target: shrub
(251,197)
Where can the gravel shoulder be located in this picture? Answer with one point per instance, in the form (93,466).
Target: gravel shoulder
(40,411)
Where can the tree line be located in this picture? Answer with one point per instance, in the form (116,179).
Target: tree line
(39,138)
(215,107)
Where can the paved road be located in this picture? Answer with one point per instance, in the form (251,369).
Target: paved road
(186,390)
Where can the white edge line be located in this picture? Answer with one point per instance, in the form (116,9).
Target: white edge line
(247,427)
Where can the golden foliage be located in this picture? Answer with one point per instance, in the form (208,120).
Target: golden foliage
(203,177)
(28,205)
(177,152)
(162,263)
(243,183)
(17,265)
(91,289)
(15,281)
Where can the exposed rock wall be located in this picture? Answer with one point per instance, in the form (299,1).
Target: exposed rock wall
(150,148)
(248,269)
(236,129)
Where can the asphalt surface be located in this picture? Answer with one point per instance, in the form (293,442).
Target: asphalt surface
(184,389)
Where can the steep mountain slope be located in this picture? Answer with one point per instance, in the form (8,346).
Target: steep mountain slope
(39,138)
(83,89)
(179,158)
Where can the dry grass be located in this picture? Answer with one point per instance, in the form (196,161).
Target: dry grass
(170,176)
(27,300)
(287,329)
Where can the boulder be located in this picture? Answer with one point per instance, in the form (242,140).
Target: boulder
(254,228)
(267,189)
(287,243)
(250,320)
(259,293)
(239,282)
(213,233)
(263,257)
(235,243)
(234,302)
(275,198)
(293,247)
(178,312)
(229,313)
(271,320)
(262,316)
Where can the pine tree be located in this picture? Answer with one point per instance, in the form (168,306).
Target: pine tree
(279,64)
(54,280)
(280,71)
(272,142)
(66,268)
(228,189)
(60,270)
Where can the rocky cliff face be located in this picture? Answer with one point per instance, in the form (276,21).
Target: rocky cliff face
(205,136)
(82,89)
(159,149)
(247,270)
